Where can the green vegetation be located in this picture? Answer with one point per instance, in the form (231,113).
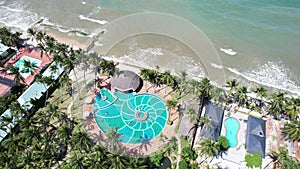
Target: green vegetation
(51,137)
(253,161)
(223,142)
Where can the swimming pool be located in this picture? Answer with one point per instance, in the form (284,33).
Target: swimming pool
(20,64)
(138,118)
(232,127)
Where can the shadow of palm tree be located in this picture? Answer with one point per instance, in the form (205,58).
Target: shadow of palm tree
(145,143)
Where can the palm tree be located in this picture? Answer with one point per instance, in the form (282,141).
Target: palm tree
(31,32)
(205,122)
(292,129)
(84,64)
(97,157)
(183,81)
(277,104)
(167,79)
(232,85)
(108,67)
(241,95)
(192,114)
(95,59)
(46,81)
(10,39)
(208,148)
(293,107)
(116,161)
(204,94)
(18,78)
(171,104)
(113,143)
(81,141)
(29,67)
(76,160)
(218,95)
(281,159)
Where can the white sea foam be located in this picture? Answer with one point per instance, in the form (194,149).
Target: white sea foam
(12,9)
(216,66)
(16,17)
(152,51)
(228,51)
(272,75)
(153,57)
(83,2)
(2,2)
(102,22)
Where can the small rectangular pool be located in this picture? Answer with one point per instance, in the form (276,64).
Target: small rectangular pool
(20,64)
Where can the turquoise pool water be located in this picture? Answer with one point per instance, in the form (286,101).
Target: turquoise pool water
(232,127)
(138,118)
(20,64)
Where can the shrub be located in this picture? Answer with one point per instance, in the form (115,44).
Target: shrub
(223,142)
(169,122)
(183,164)
(254,160)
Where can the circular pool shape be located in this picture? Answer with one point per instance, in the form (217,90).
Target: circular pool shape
(138,118)
(232,126)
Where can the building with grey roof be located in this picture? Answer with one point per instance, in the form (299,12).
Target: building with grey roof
(256,136)
(215,114)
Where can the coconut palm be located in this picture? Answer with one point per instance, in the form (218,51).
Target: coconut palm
(241,95)
(204,93)
(232,85)
(94,59)
(208,148)
(81,141)
(46,81)
(278,102)
(108,67)
(171,104)
(205,122)
(281,159)
(192,114)
(182,82)
(218,95)
(292,130)
(29,67)
(167,79)
(113,143)
(293,107)
(145,74)
(18,78)
(260,92)
(96,158)
(115,161)
(10,39)
(31,32)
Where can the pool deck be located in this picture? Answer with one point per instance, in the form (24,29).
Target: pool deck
(131,149)
(7,81)
(235,157)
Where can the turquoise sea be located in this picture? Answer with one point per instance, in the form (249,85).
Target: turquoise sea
(265,34)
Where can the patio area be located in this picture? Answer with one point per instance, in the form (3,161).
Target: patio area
(7,81)
(142,149)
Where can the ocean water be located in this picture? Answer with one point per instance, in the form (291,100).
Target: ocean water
(265,34)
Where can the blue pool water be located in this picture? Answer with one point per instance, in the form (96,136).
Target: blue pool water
(232,127)
(20,64)
(138,118)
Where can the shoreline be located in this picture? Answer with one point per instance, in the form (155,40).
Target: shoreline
(82,42)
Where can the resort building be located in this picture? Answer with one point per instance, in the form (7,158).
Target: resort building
(17,60)
(35,92)
(213,130)
(126,81)
(256,136)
